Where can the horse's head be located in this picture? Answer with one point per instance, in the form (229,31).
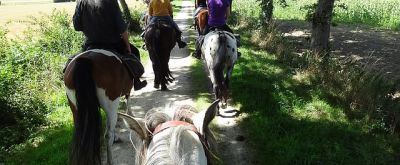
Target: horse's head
(182,139)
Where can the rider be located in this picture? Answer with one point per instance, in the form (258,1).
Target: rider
(218,13)
(162,9)
(199,5)
(104,28)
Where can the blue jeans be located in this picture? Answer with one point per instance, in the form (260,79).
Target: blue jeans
(168,18)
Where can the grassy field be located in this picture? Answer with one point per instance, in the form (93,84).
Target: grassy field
(379,13)
(15,15)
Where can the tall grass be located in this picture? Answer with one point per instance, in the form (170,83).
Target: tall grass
(379,13)
(30,78)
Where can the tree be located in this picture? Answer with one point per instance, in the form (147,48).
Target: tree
(132,24)
(267,7)
(321,23)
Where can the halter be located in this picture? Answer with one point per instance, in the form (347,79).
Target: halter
(174,123)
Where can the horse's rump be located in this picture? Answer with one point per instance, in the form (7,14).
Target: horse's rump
(94,78)
(201,20)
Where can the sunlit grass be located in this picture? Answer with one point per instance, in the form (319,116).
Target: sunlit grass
(291,121)
(379,13)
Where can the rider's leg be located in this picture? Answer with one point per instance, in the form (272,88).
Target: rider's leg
(181,44)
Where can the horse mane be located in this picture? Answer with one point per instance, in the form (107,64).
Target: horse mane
(173,148)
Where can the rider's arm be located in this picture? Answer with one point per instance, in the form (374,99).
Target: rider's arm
(170,10)
(151,9)
(227,12)
(76,19)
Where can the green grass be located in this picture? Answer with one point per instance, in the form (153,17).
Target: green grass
(50,145)
(378,13)
(292,122)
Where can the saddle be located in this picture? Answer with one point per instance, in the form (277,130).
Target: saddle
(161,22)
(130,61)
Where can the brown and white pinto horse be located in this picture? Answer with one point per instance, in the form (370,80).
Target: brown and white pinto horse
(93,79)
(180,139)
(160,39)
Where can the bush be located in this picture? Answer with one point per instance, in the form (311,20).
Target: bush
(31,76)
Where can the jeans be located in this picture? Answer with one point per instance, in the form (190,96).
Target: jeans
(168,18)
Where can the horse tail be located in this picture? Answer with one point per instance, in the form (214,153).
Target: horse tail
(219,64)
(156,55)
(86,136)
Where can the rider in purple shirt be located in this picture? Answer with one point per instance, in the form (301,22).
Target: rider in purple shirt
(218,12)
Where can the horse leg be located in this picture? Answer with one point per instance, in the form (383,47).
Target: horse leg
(219,80)
(228,75)
(156,76)
(110,107)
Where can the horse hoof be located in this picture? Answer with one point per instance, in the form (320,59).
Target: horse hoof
(164,88)
(156,85)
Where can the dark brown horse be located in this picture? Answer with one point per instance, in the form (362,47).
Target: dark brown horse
(160,39)
(94,79)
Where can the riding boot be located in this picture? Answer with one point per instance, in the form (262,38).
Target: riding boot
(137,84)
(199,42)
(181,44)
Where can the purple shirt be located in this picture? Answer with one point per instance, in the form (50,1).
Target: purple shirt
(216,10)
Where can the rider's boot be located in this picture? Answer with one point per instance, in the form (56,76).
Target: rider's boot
(137,84)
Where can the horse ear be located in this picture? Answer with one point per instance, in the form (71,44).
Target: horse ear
(136,125)
(203,118)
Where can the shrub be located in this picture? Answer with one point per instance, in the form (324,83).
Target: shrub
(31,76)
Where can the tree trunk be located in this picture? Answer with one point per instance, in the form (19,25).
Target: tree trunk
(267,7)
(132,25)
(321,23)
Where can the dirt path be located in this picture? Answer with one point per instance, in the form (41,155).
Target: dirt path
(378,50)
(232,151)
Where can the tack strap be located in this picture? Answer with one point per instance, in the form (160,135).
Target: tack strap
(174,123)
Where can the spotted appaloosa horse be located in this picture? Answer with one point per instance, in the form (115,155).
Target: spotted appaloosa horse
(220,53)
(93,79)
(180,140)
(160,39)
